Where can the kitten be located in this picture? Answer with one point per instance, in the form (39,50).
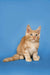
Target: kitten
(28,46)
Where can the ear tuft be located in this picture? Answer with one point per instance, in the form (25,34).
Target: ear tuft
(39,27)
(28,25)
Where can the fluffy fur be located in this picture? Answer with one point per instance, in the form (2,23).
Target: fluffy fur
(28,46)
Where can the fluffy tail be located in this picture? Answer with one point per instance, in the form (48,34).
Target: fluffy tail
(15,57)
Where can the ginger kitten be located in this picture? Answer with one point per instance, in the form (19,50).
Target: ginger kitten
(28,46)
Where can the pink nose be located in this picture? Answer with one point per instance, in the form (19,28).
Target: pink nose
(34,37)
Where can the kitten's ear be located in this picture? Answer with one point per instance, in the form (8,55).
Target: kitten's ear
(39,29)
(28,29)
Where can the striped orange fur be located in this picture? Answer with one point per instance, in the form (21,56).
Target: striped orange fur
(28,46)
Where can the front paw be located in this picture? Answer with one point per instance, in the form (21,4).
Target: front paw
(36,58)
(29,60)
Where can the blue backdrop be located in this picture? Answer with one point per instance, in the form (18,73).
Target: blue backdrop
(14,17)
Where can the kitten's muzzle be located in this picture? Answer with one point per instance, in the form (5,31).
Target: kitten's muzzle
(34,38)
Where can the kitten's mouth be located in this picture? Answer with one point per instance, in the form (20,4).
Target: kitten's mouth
(33,40)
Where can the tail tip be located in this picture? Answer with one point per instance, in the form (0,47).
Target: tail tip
(5,60)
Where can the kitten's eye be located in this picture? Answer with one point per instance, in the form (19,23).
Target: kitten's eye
(36,34)
(31,34)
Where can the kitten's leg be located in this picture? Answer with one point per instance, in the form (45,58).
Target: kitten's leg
(35,56)
(27,56)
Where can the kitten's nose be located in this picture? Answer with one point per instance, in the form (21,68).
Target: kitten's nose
(34,37)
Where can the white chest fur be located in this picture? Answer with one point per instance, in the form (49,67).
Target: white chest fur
(32,47)
(31,50)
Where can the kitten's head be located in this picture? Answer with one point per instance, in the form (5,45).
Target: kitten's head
(33,35)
